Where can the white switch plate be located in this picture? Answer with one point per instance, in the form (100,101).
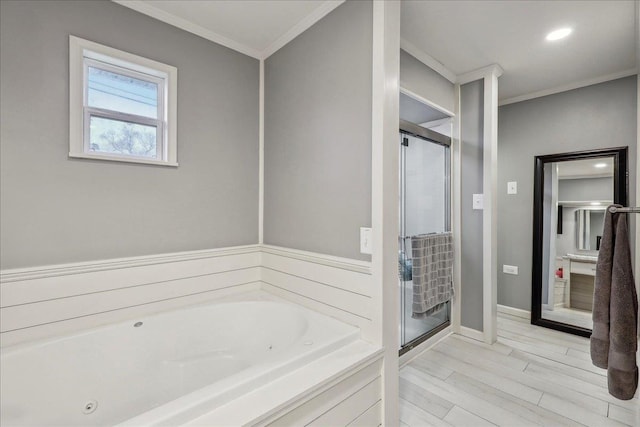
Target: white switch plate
(510,269)
(512,187)
(365,240)
(478,201)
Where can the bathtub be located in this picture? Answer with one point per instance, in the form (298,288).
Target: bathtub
(169,366)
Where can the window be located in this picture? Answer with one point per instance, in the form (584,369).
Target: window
(122,106)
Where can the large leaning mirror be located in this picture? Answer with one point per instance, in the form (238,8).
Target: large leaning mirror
(571,193)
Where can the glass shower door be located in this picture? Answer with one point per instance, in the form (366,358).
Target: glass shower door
(424,208)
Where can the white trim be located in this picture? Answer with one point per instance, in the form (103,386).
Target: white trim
(183,24)
(512,311)
(40,272)
(425,101)
(456,213)
(570,86)
(79,49)
(435,123)
(171,19)
(302,26)
(490,212)
(129,159)
(424,346)
(427,60)
(30,273)
(261,157)
(384,197)
(328,260)
(480,73)
(474,334)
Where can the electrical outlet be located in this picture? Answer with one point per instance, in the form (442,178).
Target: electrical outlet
(510,269)
(365,240)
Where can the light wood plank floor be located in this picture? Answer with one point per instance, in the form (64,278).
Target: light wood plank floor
(531,376)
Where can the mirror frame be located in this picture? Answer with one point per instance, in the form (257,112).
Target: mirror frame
(620,196)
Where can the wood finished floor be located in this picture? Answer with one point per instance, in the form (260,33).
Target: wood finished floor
(531,376)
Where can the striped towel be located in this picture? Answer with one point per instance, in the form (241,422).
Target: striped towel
(432,272)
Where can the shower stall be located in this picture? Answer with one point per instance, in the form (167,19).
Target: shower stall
(425,207)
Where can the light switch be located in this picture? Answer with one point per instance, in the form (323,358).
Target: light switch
(365,240)
(512,187)
(478,201)
(510,269)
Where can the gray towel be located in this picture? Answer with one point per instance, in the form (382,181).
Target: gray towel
(614,339)
(432,273)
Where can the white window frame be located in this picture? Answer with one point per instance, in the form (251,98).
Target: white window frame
(82,55)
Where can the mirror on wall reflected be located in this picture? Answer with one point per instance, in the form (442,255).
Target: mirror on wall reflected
(577,193)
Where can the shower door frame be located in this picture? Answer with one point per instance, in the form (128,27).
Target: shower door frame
(429,136)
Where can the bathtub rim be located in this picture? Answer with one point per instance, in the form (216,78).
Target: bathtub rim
(280,395)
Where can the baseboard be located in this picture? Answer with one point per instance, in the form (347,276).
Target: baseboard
(474,334)
(512,311)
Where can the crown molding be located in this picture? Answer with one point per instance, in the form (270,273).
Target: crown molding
(171,19)
(570,86)
(304,24)
(480,73)
(183,24)
(427,60)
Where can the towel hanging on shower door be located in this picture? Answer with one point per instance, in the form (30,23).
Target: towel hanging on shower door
(614,340)
(432,272)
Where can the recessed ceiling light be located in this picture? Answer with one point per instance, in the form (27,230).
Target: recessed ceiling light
(600,165)
(595,203)
(559,34)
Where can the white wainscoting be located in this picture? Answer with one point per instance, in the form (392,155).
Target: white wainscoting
(50,301)
(337,287)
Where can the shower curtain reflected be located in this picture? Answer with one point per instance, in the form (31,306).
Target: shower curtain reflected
(424,208)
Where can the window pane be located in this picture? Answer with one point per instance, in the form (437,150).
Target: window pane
(117,137)
(122,93)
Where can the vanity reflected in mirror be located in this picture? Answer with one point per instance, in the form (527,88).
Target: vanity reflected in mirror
(571,194)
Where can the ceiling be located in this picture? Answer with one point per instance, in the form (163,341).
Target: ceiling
(467,35)
(254,27)
(455,37)
(585,168)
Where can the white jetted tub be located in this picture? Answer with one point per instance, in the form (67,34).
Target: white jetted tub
(146,370)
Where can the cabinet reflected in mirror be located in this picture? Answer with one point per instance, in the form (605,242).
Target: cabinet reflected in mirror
(571,193)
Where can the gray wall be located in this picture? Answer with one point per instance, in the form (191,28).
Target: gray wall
(318,135)
(598,116)
(471,146)
(422,80)
(57,210)
(585,189)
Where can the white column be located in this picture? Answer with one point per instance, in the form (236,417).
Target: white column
(456,213)
(489,216)
(261,157)
(384,209)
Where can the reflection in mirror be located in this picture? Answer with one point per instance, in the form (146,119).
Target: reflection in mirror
(589,226)
(573,195)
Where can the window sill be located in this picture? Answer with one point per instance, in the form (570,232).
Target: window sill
(122,159)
